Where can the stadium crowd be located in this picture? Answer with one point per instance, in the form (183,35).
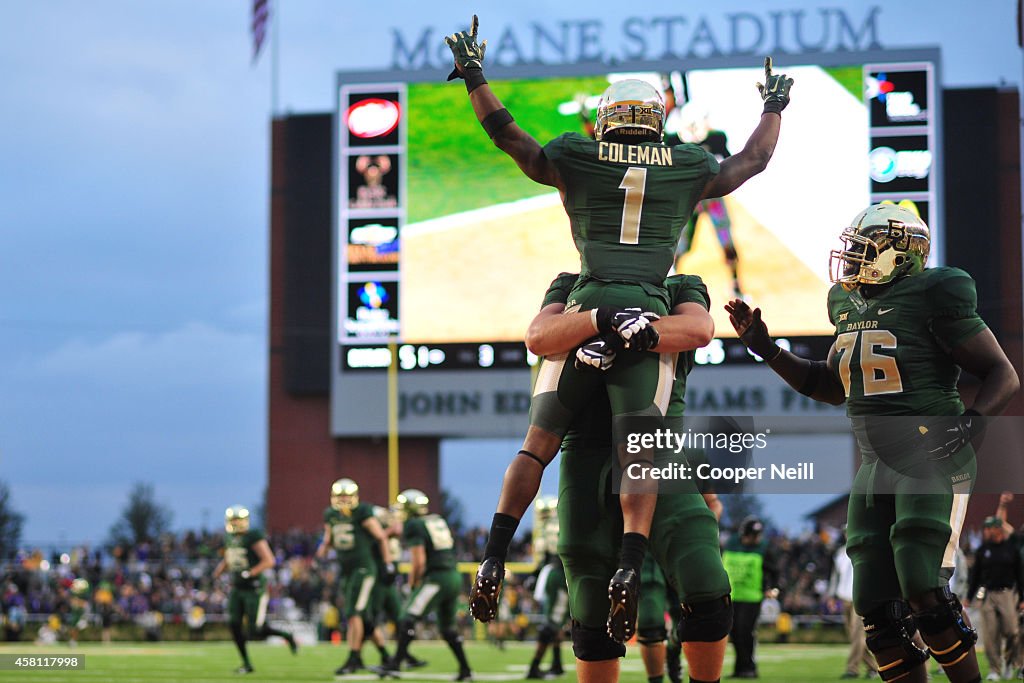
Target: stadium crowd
(169,581)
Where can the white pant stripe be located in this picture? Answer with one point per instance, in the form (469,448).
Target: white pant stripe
(423,598)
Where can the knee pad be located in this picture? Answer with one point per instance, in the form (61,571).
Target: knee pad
(452,637)
(947,614)
(651,635)
(406,627)
(706,622)
(594,644)
(546,634)
(892,626)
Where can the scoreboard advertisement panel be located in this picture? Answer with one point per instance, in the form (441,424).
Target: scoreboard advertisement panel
(445,247)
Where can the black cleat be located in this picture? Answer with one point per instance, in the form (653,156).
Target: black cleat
(350,667)
(388,668)
(414,663)
(464,675)
(555,672)
(534,674)
(293,646)
(624,595)
(244,669)
(483,596)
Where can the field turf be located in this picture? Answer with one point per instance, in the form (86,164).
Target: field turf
(208,662)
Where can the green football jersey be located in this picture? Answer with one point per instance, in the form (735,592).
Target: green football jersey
(350,538)
(893,350)
(628,203)
(594,425)
(432,532)
(240,555)
(383,516)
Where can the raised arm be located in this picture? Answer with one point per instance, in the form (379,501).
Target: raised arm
(758,150)
(814,379)
(492,115)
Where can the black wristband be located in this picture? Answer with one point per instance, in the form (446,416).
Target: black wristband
(603,318)
(474,77)
(774,107)
(495,121)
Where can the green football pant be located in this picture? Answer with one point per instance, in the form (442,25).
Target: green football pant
(684,537)
(438,592)
(357,587)
(556,598)
(638,384)
(902,542)
(385,602)
(250,604)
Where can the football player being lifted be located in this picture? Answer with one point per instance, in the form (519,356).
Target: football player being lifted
(903,332)
(352,530)
(247,556)
(627,196)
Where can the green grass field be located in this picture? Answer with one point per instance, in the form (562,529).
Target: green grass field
(217,661)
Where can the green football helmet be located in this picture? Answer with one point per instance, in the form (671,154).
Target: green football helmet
(885,242)
(414,502)
(630,110)
(344,495)
(236,519)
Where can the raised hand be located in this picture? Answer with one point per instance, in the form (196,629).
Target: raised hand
(467,52)
(775,89)
(751,329)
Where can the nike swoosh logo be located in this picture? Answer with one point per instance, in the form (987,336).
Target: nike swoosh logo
(883,311)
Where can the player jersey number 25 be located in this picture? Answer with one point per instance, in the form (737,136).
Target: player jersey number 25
(880,373)
(440,534)
(236,559)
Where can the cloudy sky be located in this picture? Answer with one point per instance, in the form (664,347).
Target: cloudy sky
(133,233)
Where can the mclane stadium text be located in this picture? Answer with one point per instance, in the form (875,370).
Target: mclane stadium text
(769,31)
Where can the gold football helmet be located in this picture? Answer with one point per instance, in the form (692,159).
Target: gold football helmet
(344,495)
(546,507)
(414,502)
(885,242)
(632,111)
(236,519)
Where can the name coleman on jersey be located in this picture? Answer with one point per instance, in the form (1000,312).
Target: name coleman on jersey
(618,153)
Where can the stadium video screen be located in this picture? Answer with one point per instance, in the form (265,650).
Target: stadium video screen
(443,240)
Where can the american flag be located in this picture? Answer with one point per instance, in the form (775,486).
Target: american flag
(260,17)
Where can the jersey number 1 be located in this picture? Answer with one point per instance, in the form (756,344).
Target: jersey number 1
(634,183)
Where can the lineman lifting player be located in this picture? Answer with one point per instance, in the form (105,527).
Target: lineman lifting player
(627,196)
